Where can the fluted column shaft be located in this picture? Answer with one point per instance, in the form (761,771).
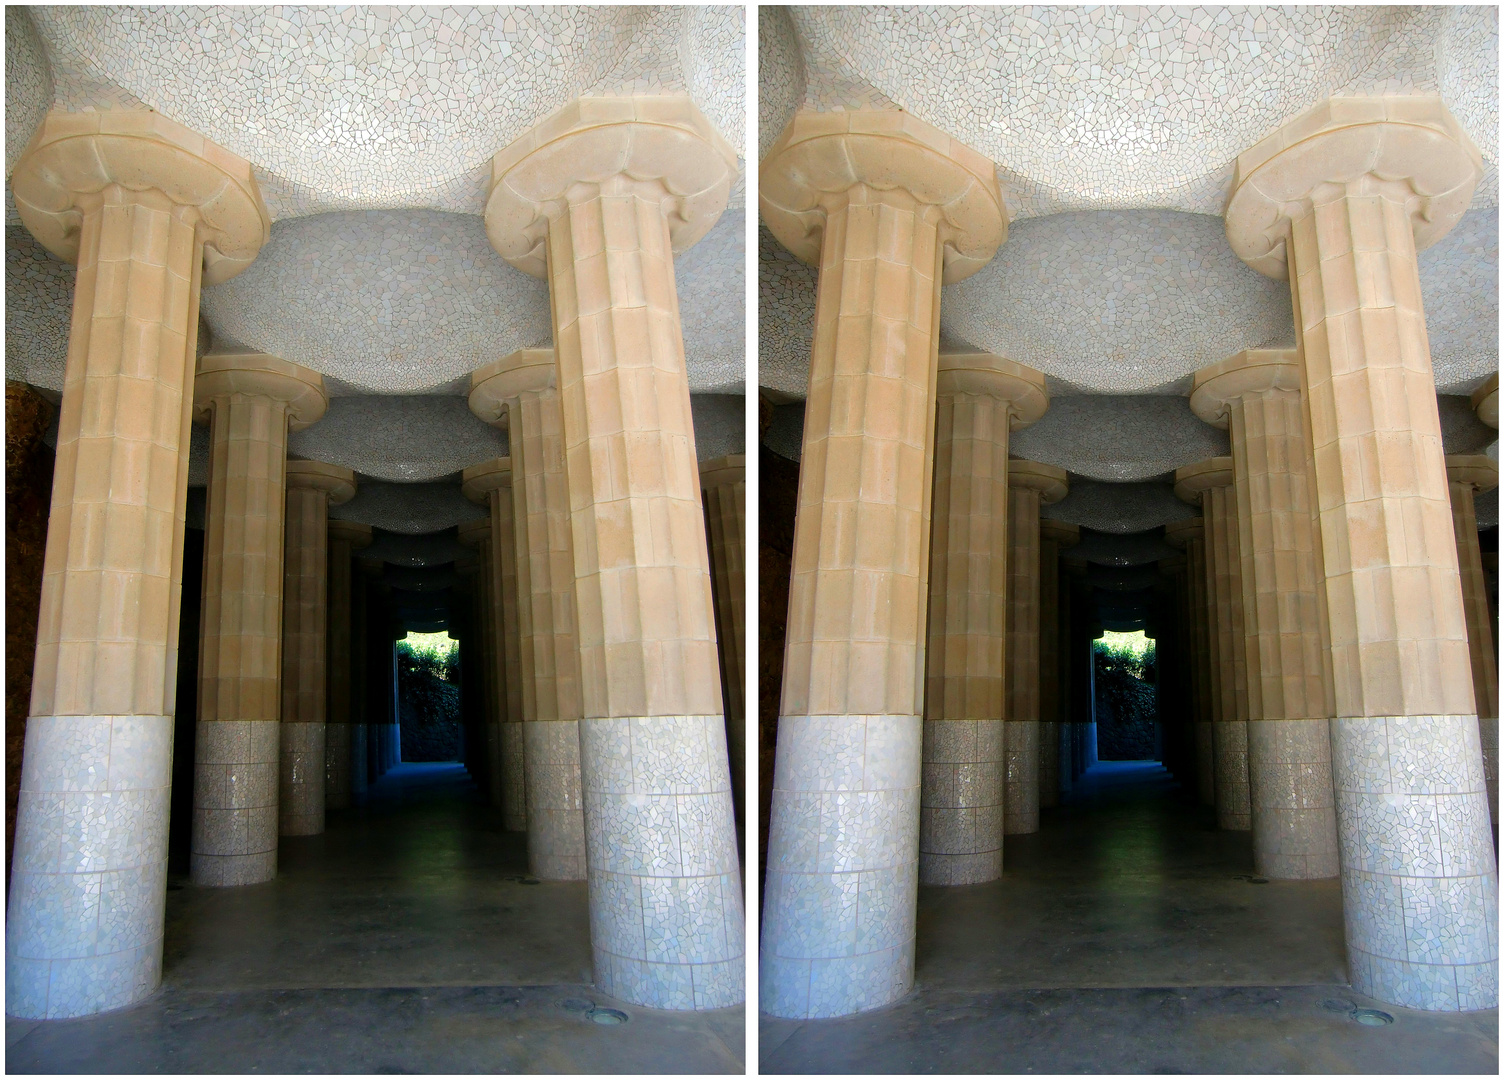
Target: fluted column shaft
(252,400)
(344,538)
(1292,805)
(1230,732)
(1053,536)
(1466,476)
(889,209)
(1201,638)
(88,877)
(723,487)
(1339,201)
(360,717)
(490,626)
(660,837)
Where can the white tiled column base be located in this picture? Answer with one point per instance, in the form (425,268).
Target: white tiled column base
(961,818)
(235,768)
(91,850)
(839,903)
(1231,764)
(666,923)
(555,803)
(302,778)
(1419,880)
(1290,787)
(1021,785)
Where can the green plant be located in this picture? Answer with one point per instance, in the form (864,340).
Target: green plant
(1127,703)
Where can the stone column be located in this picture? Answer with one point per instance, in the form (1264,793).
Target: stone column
(312,487)
(1075,652)
(723,490)
(1031,485)
(1190,535)
(981,399)
(252,401)
(1467,476)
(1256,396)
(889,209)
(360,683)
(1209,484)
(490,485)
(477,534)
(1053,537)
(1339,201)
(1171,672)
(596,199)
(345,537)
(148,211)
(519,392)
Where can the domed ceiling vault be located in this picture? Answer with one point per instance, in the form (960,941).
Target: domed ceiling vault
(1114,131)
(371,133)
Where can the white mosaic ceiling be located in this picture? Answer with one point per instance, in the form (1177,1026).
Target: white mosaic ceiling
(404,439)
(1109,106)
(356,107)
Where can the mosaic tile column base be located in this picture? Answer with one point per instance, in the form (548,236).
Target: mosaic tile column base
(1230,738)
(841,893)
(555,803)
(1021,783)
(91,850)
(235,768)
(961,819)
(1419,879)
(302,779)
(1290,790)
(666,918)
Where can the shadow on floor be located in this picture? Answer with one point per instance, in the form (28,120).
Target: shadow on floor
(1127,936)
(407,937)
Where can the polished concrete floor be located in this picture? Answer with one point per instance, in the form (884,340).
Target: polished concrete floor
(406,938)
(1127,936)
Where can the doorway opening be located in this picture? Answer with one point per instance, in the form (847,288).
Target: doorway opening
(1125,697)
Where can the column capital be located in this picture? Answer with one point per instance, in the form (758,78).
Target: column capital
(1253,371)
(1172,564)
(370,566)
(1412,141)
(478,481)
(73,157)
(1073,566)
(335,480)
(1063,533)
(592,140)
(492,386)
(1486,401)
(723,471)
(1179,533)
(351,532)
(474,533)
(822,155)
(1021,387)
(257,374)
(1479,470)
(1192,480)
(1051,482)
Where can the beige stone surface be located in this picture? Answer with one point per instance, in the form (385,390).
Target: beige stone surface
(1468,476)
(477,534)
(490,484)
(1054,537)
(723,486)
(597,199)
(520,389)
(312,487)
(1340,200)
(140,205)
(251,401)
(1190,534)
(889,208)
(1031,485)
(1210,484)
(1486,401)
(340,763)
(981,399)
(1256,396)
